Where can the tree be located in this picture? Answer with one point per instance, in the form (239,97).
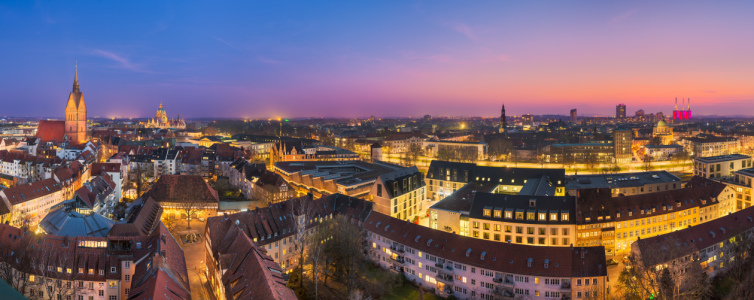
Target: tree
(498,147)
(414,152)
(52,269)
(210,131)
(647,165)
(347,251)
(666,271)
(304,210)
(591,160)
(315,251)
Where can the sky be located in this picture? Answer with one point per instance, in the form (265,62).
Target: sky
(262,59)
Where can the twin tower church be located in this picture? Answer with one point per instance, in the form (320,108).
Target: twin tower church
(74,129)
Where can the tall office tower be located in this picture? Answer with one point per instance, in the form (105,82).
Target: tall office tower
(620,111)
(573,116)
(623,140)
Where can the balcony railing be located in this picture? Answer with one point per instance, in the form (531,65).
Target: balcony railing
(444,278)
(396,249)
(565,285)
(397,259)
(504,292)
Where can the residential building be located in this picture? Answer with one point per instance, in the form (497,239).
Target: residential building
(470,268)
(662,152)
(469,151)
(712,244)
(721,166)
(400,194)
(623,141)
(445,178)
(115,267)
(27,204)
(521,219)
(401,142)
(624,184)
(709,145)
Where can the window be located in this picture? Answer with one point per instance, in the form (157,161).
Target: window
(101,293)
(127,290)
(112,270)
(113,297)
(128,264)
(101,272)
(128,278)
(112,284)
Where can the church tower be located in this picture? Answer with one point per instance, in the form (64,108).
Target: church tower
(75,114)
(503,122)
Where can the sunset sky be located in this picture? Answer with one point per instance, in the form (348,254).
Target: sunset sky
(262,59)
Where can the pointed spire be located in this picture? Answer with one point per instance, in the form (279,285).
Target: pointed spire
(76,79)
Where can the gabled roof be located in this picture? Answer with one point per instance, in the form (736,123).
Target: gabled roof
(51,131)
(180,188)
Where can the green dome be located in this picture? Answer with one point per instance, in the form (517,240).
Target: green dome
(662,123)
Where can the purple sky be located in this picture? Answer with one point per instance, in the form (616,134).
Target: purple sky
(389,58)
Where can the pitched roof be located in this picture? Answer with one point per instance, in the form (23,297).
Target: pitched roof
(501,257)
(51,131)
(180,188)
(25,192)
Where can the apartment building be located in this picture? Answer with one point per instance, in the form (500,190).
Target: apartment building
(27,204)
(400,194)
(624,184)
(710,145)
(470,268)
(111,268)
(721,166)
(711,244)
(521,219)
(445,178)
(616,222)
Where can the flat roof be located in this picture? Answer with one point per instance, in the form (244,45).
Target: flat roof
(618,180)
(722,158)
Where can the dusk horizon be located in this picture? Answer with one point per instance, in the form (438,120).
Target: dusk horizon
(306,60)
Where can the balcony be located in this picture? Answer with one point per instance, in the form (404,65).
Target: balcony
(446,270)
(504,281)
(447,279)
(396,269)
(398,249)
(565,296)
(503,292)
(397,258)
(565,285)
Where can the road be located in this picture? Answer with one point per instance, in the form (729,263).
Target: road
(670,166)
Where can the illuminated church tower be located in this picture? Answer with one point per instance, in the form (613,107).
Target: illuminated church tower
(75,114)
(503,122)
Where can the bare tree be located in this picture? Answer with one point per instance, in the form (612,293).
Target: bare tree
(315,251)
(304,210)
(666,270)
(348,251)
(414,152)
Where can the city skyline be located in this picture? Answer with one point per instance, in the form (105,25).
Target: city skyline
(306,60)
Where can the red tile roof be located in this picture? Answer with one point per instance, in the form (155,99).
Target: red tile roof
(701,236)
(51,131)
(501,257)
(25,192)
(99,168)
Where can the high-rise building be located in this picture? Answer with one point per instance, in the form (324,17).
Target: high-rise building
(623,140)
(639,113)
(75,114)
(527,120)
(620,111)
(573,116)
(503,122)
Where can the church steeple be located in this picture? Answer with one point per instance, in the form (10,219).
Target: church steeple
(76,79)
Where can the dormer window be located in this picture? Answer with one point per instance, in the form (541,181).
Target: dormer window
(564,217)
(484,253)
(487,212)
(532,203)
(553,217)
(529,262)
(543,217)
(508,214)
(547,263)
(498,213)
(468,252)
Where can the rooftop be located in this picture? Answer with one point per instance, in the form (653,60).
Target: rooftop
(722,158)
(619,180)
